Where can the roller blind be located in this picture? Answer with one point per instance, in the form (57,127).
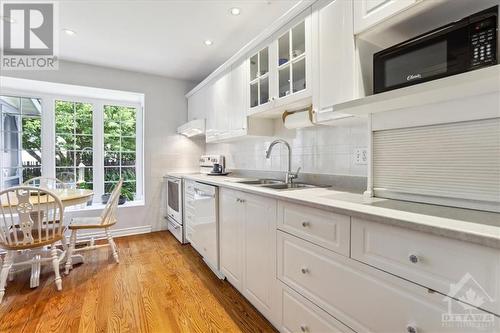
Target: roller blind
(459,162)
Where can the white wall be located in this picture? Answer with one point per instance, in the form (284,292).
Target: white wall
(165,109)
(320,149)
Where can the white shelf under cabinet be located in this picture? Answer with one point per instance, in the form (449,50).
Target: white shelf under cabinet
(469,84)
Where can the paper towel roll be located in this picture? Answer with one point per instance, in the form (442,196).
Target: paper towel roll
(297,120)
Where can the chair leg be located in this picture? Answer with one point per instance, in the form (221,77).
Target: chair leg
(71,249)
(4,273)
(55,265)
(113,245)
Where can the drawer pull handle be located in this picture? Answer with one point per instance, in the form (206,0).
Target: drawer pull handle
(411,329)
(304,270)
(304,328)
(413,258)
(305,224)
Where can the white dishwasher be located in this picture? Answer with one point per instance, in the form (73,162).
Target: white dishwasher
(203,226)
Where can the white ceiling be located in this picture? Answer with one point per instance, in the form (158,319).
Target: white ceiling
(163,37)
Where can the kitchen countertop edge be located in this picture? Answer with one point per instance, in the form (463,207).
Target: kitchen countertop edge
(481,234)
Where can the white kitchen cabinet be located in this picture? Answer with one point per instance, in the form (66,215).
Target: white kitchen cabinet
(300,315)
(334,57)
(280,73)
(368,13)
(228,98)
(324,228)
(259,76)
(222,99)
(196,105)
(210,123)
(247,228)
(237,114)
(425,259)
(362,297)
(293,61)
(260,284)
(218,102)
(231,224)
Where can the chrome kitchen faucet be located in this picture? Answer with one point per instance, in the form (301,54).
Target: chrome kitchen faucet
(289,176)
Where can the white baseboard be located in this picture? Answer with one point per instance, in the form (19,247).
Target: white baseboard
(143,229)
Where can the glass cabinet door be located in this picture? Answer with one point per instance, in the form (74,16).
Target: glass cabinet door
(259,78)
(254,94)
(292,61)
(254,67)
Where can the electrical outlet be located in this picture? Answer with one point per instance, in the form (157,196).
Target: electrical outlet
(361,156)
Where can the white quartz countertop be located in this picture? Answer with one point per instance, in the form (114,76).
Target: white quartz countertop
(463,224)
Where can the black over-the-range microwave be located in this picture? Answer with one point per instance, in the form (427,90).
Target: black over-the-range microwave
(458,47)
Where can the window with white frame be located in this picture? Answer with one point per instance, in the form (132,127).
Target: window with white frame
(88,142)
(73,143)
(20,144)
(120,148)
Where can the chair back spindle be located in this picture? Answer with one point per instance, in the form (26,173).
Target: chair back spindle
(30,217)
(108,215)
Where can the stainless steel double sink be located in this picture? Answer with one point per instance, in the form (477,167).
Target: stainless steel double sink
(276,184)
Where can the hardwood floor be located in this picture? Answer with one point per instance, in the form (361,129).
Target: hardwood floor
(159,286)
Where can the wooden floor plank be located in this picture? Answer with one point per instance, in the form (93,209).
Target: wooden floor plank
(159,286)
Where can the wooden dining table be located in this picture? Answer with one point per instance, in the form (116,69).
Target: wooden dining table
(69,197)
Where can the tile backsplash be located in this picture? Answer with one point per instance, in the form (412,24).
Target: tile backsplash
(319,149)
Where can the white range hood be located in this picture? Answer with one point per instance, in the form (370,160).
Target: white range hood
(192,128)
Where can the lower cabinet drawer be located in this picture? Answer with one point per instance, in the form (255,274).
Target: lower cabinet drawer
(367,299)
(432,261)
(300,315)
(323,228)
(176,230)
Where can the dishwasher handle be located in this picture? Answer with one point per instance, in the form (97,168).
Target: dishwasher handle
(200,195)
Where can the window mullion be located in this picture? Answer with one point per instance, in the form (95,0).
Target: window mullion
(48,137)
(98,146)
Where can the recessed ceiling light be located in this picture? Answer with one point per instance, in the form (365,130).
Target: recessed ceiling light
(7,19)
(69,32)
(208,42)
(235,11)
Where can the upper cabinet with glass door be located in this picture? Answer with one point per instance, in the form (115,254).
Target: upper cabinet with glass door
(293,64)
(280,73)
(259,78)
(292,61)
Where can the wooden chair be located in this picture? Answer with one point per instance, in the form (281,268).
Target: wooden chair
(28,223)
(105,221)
(46,182)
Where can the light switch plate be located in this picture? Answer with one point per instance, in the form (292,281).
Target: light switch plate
(361,156)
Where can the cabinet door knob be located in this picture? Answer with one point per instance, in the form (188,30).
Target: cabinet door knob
(304,328)
(413,258)
(304,270)
(411,329)
(242,200)
(305,224)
